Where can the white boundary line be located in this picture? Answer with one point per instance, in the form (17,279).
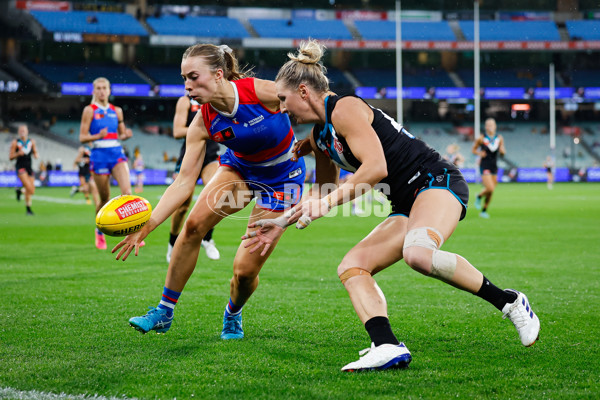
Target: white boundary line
(10,393)
(57,200)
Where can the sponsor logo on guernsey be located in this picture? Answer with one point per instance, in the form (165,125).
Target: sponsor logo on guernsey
(295,173)
(439,178)
(215,122)
(223,135)
(130,208)
(256,120)
(337,145)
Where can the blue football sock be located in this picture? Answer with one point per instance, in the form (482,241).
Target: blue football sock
(232,309)
(169,300)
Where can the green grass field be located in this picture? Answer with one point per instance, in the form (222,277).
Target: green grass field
(65,307)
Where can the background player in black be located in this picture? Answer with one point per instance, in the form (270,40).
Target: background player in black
(87,185)
(487,147)
(428,196)
(22,149)
(184,114)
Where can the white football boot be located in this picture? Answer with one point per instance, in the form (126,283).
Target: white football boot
(211,250)
(523,317)
(169,252)
(381,357)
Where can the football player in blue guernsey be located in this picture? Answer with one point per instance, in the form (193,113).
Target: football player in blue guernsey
(428,196)
(102,128)
(242,113)
(22,149)
(487,148)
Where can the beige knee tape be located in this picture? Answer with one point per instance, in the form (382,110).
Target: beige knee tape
(349,273)
(427,237)
(443,265)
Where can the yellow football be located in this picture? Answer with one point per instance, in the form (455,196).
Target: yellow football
(123,215)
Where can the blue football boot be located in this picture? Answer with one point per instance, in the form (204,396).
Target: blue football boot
(156,320)
(232,327)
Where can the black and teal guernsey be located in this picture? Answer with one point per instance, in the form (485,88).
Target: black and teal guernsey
(407,157)
(24,161)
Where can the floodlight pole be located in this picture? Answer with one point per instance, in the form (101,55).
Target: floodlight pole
(399,93)
(476,89)
(552,117)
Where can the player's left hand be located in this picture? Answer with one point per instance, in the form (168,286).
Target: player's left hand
(268,233)
(309,211)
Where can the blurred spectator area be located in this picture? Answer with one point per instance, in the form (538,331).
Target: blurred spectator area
(511,30)
(59,72)
(386,30)
(163,74)
(221,27)
(584,30)
(508,77)
(425,77)
(301,29)
(90,22)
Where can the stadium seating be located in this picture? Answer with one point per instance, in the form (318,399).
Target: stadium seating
(584,77)
(163,74)
(300,29)
(510,77)
(510,30)
(584,30)
(410,77)
(220,27)
(90,22)
(386,30)
(56,72)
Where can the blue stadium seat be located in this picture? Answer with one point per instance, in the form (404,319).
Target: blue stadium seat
(301,29)
(221,27)
(511,30)
(584,30)
(78,21)
(386,30)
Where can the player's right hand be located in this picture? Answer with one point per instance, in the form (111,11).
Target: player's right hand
(130,243)
(102,134)
(301,148)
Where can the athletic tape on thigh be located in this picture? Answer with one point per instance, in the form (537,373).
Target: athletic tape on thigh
(427,237)
(354,271)
(443,265)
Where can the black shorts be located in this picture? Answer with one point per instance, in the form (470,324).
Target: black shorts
(25,168)
(439,175)
(211,155)
(488,168)
(85,172)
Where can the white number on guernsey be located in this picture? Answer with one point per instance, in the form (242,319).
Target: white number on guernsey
(395,124)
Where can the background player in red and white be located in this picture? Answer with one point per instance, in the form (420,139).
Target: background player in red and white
(242,113)
(487,147)
(22,149)
(102,128)
(185,111)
